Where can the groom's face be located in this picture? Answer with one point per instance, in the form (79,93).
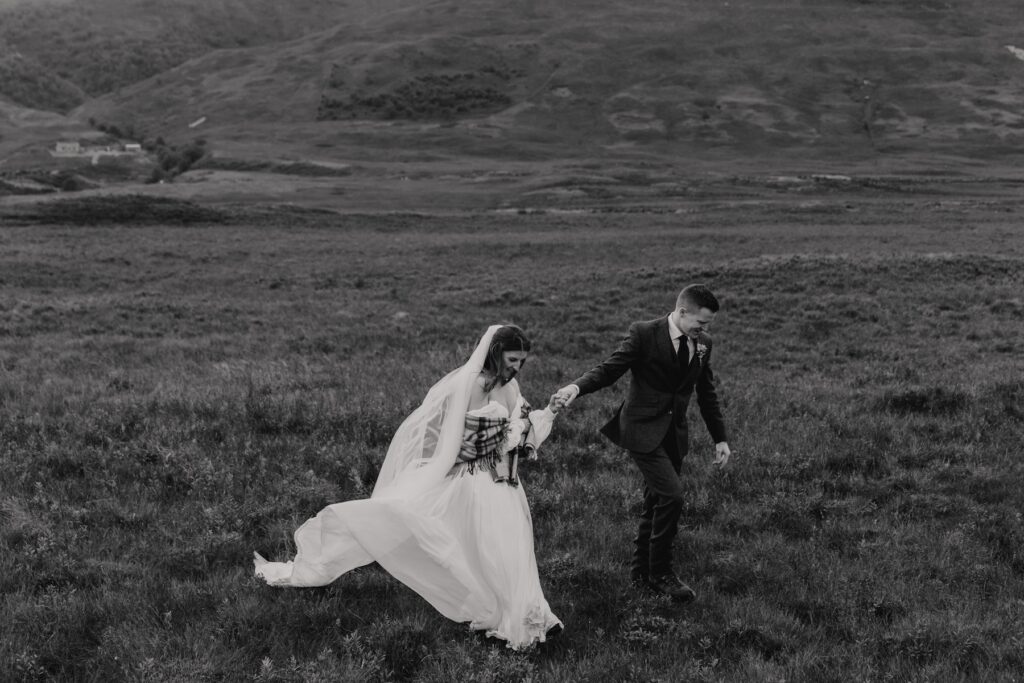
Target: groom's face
(692,320)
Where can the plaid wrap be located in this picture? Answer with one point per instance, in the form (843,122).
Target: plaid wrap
(482,446)
(483,437)
(483,442)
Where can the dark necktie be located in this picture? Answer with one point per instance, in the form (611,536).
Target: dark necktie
(683,354)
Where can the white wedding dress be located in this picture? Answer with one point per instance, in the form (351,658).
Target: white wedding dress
(460,538)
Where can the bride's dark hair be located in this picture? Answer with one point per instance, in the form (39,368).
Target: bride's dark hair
(506,338)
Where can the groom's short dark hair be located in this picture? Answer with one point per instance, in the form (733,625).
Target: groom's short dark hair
(699,296)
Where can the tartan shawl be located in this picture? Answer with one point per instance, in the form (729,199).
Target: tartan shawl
(482,437)
(482,442)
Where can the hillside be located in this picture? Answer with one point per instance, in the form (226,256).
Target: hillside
(530,77)
(26,133)
(30,84)
(74,50)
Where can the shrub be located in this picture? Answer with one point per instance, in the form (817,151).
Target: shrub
(429,96)
(135,209)
(925,400)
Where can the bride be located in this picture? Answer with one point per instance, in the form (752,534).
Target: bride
(448,516)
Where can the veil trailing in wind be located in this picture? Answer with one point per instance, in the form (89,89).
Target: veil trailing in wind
(424,448)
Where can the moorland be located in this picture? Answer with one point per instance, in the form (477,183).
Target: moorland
(204,343)
(183,388)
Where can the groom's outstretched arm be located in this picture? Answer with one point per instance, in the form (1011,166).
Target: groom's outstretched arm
(609,370)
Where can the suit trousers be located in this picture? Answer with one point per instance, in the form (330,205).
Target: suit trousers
(663,505)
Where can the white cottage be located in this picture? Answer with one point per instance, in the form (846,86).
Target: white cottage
(67,147)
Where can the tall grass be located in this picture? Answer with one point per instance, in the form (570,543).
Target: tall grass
(172,398)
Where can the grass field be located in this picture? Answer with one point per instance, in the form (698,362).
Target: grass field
(173,397)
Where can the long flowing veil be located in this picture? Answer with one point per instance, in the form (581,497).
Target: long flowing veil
(426,444)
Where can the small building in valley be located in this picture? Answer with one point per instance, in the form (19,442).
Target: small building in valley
(68,147)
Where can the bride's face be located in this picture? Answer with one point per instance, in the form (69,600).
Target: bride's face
(511,364)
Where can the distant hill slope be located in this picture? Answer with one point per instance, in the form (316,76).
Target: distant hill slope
(27,82)
(489,75)
(75,49)
(27,135)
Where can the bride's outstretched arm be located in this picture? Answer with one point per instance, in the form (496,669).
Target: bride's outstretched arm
(541,422)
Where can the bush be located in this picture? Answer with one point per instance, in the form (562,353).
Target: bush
(430,96)
(135,209)
(925,400)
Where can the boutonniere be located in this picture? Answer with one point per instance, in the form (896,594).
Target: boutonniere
(702,350)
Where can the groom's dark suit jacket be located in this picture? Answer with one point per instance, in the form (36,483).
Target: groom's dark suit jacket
(659,390)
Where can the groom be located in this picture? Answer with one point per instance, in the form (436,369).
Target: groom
(669,358)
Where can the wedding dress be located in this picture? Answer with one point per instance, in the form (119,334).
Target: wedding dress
(445,517)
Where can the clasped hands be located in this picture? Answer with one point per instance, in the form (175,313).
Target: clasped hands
(563,397)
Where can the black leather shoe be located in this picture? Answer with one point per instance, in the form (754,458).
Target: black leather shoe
(639,579)
(670,585)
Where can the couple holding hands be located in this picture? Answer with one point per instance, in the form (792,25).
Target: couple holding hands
(448,516)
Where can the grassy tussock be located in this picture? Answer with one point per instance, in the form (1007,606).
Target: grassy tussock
(172,400)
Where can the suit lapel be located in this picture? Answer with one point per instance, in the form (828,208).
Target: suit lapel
(695,359)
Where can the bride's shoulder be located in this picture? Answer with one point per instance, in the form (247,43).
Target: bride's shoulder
(479,388)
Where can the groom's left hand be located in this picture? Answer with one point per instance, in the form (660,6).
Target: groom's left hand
(722,453)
